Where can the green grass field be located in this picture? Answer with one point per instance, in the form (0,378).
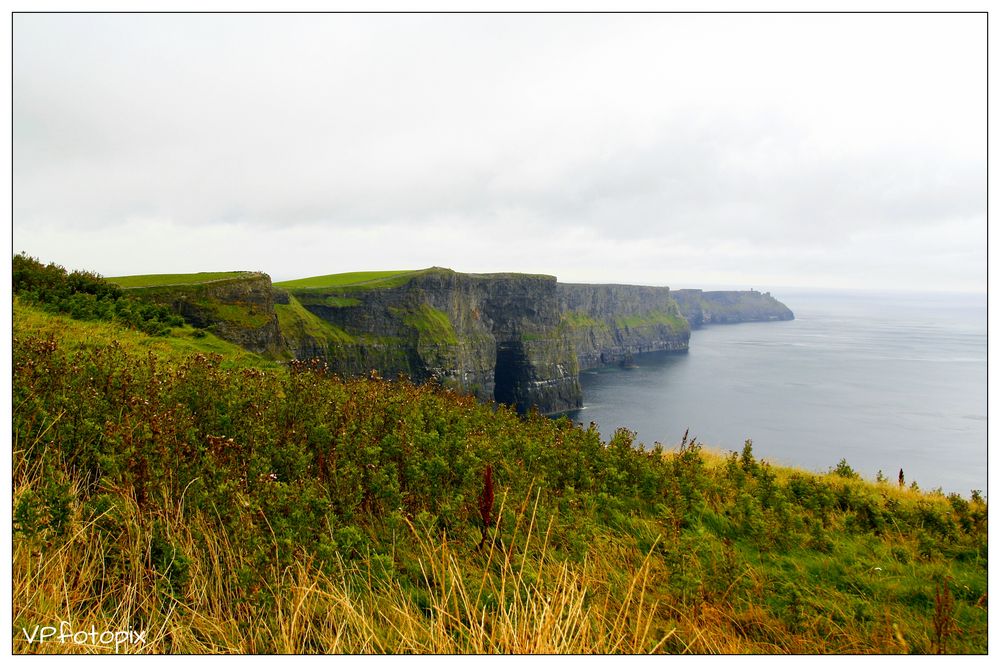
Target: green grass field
(163,279)
(367,278)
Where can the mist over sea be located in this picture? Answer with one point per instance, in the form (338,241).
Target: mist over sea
(886,381)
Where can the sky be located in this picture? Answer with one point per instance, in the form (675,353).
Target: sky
(727,150)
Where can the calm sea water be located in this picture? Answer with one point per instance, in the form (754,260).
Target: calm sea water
(884,381)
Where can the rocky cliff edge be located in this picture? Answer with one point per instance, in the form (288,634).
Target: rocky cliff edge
(515,338)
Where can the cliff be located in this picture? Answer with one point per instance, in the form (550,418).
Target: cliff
(609,324)
(238,308)
(495,336)
(730,307)
(515,338)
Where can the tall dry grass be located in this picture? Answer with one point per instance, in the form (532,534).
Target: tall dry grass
(509,597)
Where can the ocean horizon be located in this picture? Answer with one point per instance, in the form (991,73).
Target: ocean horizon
(884,380)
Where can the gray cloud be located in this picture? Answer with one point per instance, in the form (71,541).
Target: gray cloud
(745,141)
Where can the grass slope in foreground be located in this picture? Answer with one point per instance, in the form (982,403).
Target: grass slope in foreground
(230,508)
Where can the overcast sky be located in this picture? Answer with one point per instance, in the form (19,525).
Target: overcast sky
(761,150)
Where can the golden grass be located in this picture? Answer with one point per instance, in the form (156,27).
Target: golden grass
(496,600)
(514,597)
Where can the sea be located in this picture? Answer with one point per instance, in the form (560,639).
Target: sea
(887,382)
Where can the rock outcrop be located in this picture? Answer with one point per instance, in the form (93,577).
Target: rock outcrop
(238,309)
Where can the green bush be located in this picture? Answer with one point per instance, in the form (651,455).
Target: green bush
(845,471)
(86,296)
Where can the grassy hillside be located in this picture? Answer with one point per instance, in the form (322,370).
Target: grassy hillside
(175,347)
(219,503)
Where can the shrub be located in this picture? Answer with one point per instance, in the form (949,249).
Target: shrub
(86,296)
(845,471)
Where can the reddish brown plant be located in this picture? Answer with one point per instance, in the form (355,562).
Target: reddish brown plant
(486,502)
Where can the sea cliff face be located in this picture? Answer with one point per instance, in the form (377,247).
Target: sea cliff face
(515,338)
(730,307)
(609,324)
(496,336)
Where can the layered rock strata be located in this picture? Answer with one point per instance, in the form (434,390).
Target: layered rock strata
(496,336)
(610,324)
(515,338)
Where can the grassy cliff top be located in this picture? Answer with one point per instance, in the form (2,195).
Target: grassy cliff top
(379,279)
(355,278)
(167,279)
